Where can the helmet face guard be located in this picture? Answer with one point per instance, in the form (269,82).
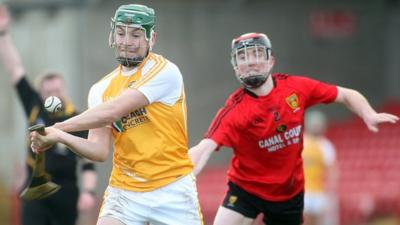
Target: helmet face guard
(132,16)
(249,57)
(124,51)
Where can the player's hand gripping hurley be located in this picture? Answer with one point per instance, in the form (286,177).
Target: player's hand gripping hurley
(40,186)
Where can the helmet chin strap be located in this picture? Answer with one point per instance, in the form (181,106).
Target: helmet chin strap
(131,62)
(253,81)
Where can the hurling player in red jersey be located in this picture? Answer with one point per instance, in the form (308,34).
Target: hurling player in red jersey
(263,123)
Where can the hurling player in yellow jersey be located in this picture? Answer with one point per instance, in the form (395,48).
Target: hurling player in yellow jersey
(140,107)
(320,172)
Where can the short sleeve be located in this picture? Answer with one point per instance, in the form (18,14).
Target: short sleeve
(28,96)
(166,86)
(317,91)
(221,129)
(93,97)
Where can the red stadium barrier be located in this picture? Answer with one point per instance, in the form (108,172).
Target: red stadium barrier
(369,165)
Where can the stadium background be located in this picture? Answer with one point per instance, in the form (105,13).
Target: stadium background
(353,43)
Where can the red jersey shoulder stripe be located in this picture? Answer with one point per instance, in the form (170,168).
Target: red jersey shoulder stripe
(232,101)
(280,76)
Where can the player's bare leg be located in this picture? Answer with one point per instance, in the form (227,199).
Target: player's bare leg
(227,216)
(108,221)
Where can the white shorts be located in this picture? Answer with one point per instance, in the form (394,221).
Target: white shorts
(315,203)
(173,204)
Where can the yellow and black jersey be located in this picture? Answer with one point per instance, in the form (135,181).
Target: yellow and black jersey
(60,162)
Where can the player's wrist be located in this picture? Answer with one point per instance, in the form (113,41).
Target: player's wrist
(58,125)
(54,135)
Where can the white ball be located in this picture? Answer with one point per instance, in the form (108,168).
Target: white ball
(53,104)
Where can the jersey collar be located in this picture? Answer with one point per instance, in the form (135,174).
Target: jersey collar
(251,94)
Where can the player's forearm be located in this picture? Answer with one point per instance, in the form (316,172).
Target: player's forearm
(355,102)
(200,154)
(10,58)
(92,150)
(99,116)
(106,113)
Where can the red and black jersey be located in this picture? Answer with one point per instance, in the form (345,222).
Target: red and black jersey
(266,134)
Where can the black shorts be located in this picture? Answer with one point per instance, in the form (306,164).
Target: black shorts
(288,212)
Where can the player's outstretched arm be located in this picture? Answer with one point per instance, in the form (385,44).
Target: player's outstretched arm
(200,154)
(95,148)
(359,105)
(8,52)
(106,113)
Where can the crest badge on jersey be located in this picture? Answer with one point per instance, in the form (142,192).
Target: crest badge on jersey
(232,199)
(293,102)
(130,85)
(281,128)
(117,125)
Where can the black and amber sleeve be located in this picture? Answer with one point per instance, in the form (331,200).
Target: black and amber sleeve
(29,98)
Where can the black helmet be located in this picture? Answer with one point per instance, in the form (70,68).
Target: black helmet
(257,40)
